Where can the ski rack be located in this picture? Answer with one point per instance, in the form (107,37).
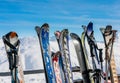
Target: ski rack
(74,69)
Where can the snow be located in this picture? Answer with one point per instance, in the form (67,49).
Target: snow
(32,60)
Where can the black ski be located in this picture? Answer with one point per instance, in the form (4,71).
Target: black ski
(109,37)
(12,43)
(84,65)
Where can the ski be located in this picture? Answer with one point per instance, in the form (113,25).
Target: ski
(94,53)
(12,43)
(43,36)
(64,45)
(92,42)
(56,66)
(84,65)
(83,37)
(109,37)
(57,35)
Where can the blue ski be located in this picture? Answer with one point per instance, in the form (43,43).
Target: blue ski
(43,36)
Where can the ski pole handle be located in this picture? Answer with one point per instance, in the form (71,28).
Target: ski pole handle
(100,55)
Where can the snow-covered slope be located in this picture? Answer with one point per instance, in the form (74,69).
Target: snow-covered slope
(31,58)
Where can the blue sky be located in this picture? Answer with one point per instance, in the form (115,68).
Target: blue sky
(23,15)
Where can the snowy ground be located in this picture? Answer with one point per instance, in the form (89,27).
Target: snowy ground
(31,58)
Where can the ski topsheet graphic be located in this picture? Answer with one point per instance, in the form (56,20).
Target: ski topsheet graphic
(109,37)
(12,43)
(64,47)
(43,36)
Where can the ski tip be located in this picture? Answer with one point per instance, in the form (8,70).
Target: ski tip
(46,25)
(58,52)
(57,33)
(108,28)
(65,32)
(90,25)
(90,22)
(37,28)
(13,34)
(56,55)
(74,36)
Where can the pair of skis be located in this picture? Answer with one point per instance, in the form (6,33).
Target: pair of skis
(60,61)
(12,43)
(65,55)
(109,37)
